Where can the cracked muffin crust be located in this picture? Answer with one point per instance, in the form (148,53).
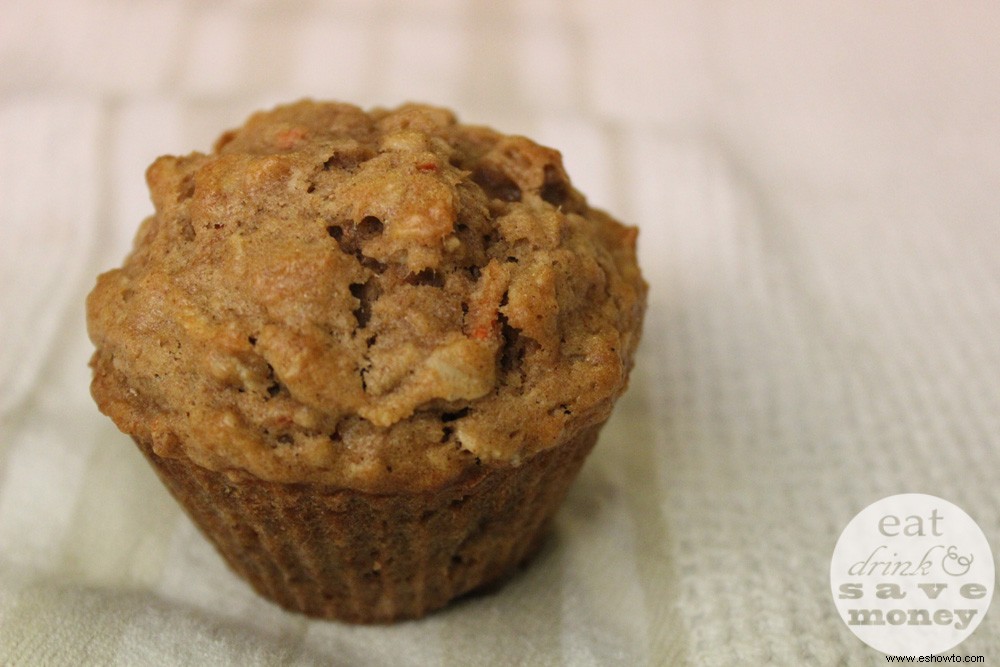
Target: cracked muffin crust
(381,301)
(367,352)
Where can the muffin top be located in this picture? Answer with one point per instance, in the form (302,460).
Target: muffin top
(380,300)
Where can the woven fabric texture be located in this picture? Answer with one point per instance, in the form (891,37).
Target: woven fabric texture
(816,187)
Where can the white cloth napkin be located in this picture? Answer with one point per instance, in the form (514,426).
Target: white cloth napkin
(816,188)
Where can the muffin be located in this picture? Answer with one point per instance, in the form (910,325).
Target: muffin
(367,352)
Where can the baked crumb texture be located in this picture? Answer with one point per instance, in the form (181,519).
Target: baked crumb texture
(380,301)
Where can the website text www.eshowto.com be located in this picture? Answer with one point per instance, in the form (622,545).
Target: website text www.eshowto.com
(953,657)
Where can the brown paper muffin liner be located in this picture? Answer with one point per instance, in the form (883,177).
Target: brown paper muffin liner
(375,558)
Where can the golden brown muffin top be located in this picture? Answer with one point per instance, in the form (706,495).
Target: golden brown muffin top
(380,301)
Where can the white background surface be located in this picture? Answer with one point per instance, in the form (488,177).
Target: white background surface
(817,190)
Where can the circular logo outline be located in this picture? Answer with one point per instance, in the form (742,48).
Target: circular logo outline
(912,574)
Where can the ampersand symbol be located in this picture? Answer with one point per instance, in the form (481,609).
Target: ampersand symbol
(963,562)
